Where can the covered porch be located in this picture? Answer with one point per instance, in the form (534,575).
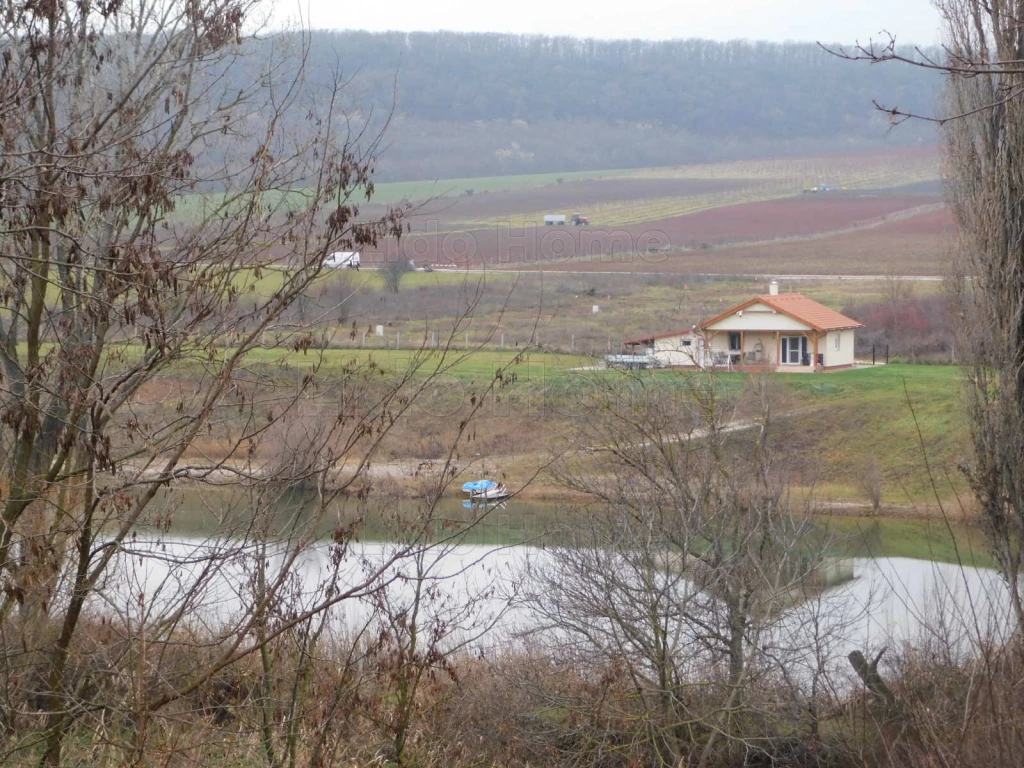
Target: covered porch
(782,351)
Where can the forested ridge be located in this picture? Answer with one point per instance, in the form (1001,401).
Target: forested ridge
(478,104)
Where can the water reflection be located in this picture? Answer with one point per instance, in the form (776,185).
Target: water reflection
(200,513)
(884,600)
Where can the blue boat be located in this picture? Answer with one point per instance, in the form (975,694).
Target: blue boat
(485,490)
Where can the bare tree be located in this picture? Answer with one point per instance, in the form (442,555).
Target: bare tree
(983,132)
(985,180)
(394,271)
(433,613)
(148,194)
(872,482)
(693,557)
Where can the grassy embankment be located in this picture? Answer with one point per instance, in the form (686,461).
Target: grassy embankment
(904,420)
(831,431)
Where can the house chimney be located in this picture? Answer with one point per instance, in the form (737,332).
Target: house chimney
(773,288)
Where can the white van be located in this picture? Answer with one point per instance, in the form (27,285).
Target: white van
(341,259)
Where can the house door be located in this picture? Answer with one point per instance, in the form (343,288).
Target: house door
(794,348)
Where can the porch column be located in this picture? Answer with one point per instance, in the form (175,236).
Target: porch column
(778,348)
(743,346)
(814,360)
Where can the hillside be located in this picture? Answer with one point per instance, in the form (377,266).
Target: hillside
(490,104)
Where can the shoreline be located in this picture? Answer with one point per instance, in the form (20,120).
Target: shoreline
(412,478)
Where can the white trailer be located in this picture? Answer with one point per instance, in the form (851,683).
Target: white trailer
(340,259)
(552,218)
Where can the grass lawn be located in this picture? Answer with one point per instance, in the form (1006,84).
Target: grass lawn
(906,420)
(395,191)
(271,280)
(198,206)
(830,430)
(474,367)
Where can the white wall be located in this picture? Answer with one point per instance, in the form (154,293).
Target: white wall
(843,355)
(674,350)
(758,317)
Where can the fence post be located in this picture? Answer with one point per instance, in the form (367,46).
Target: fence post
(872,354)
(398,340)
(572,343)
(886,354)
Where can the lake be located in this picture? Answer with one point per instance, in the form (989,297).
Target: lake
(482,581)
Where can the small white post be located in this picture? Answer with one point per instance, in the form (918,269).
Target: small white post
(503,340)
(363,342)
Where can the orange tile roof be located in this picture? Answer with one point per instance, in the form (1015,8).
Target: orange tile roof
(801,308)
(795,305)
(816,315)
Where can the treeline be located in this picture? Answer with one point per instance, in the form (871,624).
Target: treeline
(467,104)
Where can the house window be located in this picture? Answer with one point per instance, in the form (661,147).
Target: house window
(686,342)
(734,341)
(837,340)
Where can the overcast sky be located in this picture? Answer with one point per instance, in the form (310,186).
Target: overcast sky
(825,20)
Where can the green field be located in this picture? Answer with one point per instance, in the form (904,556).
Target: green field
(830,429)
(271,280)
(396,191)
(759,179)
(195,207)
(533,368)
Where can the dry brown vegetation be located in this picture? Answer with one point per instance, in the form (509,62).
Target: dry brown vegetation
(521,708)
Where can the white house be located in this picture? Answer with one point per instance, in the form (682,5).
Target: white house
(776,332)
